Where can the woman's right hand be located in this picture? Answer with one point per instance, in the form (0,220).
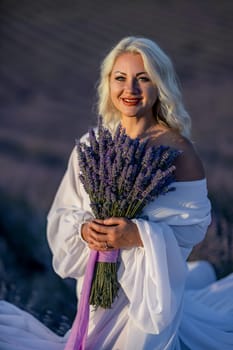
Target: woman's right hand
(90,234)
(111,233)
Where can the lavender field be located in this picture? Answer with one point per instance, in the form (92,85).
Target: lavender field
(49,64)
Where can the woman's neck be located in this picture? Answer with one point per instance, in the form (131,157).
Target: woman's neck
(137,127)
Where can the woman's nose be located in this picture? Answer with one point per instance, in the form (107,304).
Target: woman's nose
(132,86)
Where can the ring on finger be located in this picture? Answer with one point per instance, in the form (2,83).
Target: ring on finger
(107,246)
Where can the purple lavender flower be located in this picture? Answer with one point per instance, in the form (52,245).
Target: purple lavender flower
(93,142)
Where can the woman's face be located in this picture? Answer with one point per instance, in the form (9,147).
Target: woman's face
(131,90)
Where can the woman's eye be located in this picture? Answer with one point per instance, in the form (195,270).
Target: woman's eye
(144,79)
(120,78)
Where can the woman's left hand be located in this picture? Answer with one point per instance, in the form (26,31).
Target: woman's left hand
(113,233)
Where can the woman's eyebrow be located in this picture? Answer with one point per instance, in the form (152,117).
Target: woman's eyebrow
(119,72)
(141,73)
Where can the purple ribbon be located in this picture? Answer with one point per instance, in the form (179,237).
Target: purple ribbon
(78,333)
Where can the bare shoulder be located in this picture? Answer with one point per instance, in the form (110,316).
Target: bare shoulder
(188,164)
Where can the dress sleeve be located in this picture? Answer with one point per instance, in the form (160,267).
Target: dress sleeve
(69,211)
(153,276)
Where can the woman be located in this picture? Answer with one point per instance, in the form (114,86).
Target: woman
(160,305)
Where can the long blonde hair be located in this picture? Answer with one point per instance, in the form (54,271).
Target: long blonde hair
(169,108)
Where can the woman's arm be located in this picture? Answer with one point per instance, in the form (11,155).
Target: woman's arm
(69,211)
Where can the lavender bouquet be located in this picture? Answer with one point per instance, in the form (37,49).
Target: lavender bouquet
(120,175)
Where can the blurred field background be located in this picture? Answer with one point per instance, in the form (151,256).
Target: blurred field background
(50,52)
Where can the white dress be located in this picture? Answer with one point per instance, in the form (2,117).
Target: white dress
(163,303)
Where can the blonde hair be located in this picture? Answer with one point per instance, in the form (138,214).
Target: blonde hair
(169,108)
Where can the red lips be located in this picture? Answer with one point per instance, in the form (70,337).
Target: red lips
(131,101)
